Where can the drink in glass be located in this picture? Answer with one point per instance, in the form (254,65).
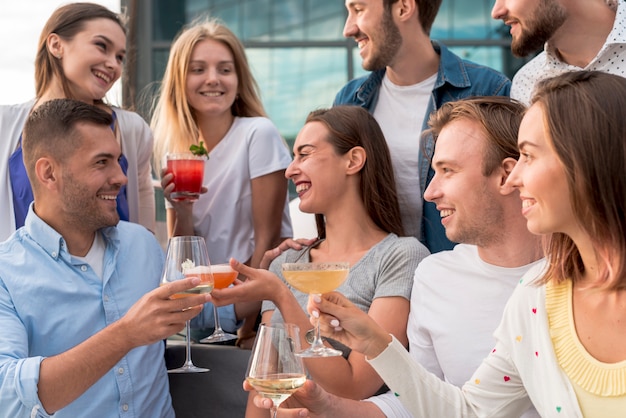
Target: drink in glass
(188,170)
(274,370)
(223,276)
(315,279)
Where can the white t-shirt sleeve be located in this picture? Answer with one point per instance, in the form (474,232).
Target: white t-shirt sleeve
(267,151)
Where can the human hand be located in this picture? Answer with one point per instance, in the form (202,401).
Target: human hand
(260,285)
(308,401)
(289,243)
(341,320)
(156,316)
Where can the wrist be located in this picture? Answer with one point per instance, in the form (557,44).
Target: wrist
(379,344)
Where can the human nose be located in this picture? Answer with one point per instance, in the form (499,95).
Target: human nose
(499,10)
(291,170)
(433,191)
(211,76)
(118,177)
(350,28)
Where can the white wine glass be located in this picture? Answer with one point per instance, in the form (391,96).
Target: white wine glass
(315,279)
(274,370)
(223,276)
(188,256)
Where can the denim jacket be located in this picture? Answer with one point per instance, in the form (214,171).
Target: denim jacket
(456,79)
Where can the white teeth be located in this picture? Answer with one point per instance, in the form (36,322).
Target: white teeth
(446,212)
(527,203)
(212,94)
(102,76)
(107,197)
(302,188)
(361,44)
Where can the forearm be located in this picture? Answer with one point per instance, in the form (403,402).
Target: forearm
(66,376)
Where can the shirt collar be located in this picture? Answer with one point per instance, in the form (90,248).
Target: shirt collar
(617,35)
(52,242)
(451,68)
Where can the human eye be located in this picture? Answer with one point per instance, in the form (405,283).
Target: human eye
(120,58)
(525,156)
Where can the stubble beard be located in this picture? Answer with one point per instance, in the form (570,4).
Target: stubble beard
(388,45)
(541,27)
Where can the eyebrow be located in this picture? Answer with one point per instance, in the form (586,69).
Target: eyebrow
(525,144)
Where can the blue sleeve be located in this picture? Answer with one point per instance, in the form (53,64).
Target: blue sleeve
(228,318)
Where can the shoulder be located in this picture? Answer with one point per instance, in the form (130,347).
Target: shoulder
(401,250)
(526,77)
(16,113)
(347,94)
(128,119)
(132,234)
(257,123)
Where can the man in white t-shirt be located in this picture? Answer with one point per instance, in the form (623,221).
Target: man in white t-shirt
(459,295)
(576,35)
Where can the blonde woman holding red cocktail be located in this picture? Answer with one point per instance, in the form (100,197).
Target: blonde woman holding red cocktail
(209,95)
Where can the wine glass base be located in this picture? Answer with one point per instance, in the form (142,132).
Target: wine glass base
(218,338)
(319,352)
(189,369)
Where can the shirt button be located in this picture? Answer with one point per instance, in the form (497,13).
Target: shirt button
(120,370)
(106,298)
(83,268)
(54,253)
(125,407)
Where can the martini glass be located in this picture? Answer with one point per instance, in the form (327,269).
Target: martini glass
(315,279)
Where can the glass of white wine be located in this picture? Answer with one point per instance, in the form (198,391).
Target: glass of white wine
(315,279)
(188,256)
(274,370)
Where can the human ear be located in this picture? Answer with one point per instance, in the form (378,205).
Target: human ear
(405,8)
(45,172)
(356,160)
(54,45)
(505,169)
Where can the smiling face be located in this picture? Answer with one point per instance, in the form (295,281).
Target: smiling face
(373,28)
(533,22)
(91,180)
(540,178)
(92,60)
(467,199)
(317,170)
(212,81)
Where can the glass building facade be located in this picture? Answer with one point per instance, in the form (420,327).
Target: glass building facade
(296,48)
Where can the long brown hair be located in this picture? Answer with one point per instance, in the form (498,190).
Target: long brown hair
(585,123)
(66,22)
(353,126)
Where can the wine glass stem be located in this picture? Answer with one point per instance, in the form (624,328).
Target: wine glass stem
(274,410)
(188,361)
(317,342)
(218,327)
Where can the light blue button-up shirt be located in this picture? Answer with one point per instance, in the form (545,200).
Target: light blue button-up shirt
(51,301)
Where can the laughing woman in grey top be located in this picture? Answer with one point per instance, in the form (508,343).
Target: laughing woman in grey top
(343,174)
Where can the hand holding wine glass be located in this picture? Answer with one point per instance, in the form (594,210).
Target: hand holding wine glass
(187,256)
(223,276)
(275,371)
(315,279)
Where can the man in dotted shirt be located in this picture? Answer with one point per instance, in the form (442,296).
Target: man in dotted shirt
(576,35)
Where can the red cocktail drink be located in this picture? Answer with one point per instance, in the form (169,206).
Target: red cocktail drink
(188,171)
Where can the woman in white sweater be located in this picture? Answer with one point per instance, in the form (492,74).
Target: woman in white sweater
(80,56)
(561,344)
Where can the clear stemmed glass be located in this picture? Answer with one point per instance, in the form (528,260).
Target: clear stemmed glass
(188,256)
(223,276)
(315,279)
(274,370)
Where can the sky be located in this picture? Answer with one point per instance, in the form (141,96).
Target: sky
(21,22)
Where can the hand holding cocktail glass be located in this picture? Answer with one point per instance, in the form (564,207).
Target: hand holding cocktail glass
(315,279)
(223,276)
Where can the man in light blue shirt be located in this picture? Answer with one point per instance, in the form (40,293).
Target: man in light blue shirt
(81,312)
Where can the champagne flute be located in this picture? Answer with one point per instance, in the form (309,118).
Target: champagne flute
(274,370)
(188,256)
(315,279)
(223,276)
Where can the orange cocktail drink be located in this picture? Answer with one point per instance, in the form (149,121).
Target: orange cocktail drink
(223,275)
